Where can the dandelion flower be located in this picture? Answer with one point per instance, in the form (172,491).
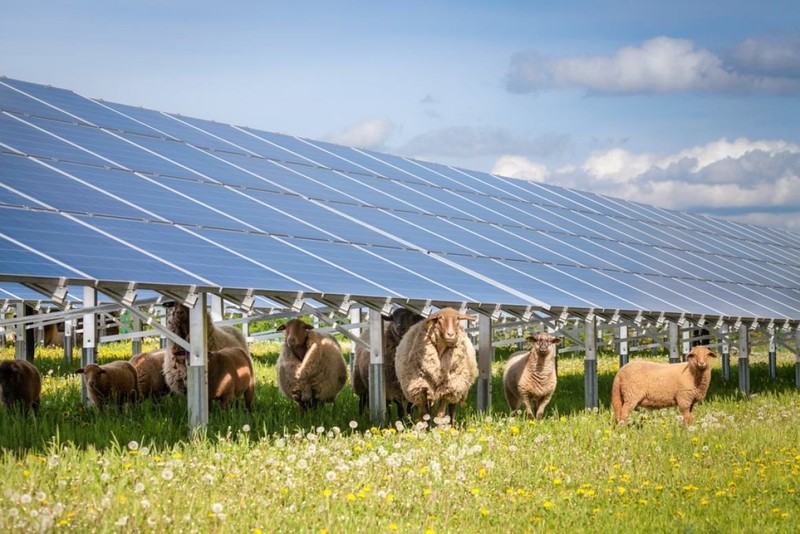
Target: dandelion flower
(167,474)
(25,498)
(133,446)
(122,521)
(353,425)
(145,503)
(246,428)
(138,488)
(216,508)
(330,475)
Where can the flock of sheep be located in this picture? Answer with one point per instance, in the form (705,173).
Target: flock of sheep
(429,366)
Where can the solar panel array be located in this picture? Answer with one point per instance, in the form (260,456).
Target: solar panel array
(92,190)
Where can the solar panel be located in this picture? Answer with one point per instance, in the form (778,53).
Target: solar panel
(180,200)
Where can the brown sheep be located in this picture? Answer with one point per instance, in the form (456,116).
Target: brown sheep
(530,377)
(661,385)
(397,324)
(150,372)
(114,382)
(311,367)
(435,362)
(20,383)
(230,376)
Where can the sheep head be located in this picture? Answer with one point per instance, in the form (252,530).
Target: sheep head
(445,323)
(542,343)
(698,358)
(400,321)
(96,378)
(179,321)
(296,336)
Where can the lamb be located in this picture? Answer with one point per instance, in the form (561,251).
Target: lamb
(230,376)
(435,362)
(530,377)
(397,324)
(20,383)
(150,373)
(217,338)
(661,385)
(111,382)
(311,367)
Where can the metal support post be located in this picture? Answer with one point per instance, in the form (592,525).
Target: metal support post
(354,316)
(674,355)
(377,390)
(162,340)
(773,354)
(726,352)
(687,343)
(590,363)
(623,345)
(89,336)
(136,346)
(216,308)
(744,361)
(69,341)
(197,379)
(24,346)
(485,357)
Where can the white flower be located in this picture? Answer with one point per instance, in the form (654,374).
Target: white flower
(104,477)
(302,463)
(330,475)
(138,488)
(133,446)
(336,430)
(13,512)
(25,498)
(40,496)
(144,451)
(122,521)
(52,461)
(208,478)
(320,429)
(426,417)
(353,425)
(280,442)
(145,503)
(166,474)
(216,508)
(246,428)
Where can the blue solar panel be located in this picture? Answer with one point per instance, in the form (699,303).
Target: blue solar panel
(338,220)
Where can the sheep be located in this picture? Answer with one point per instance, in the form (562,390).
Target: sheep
(311,367)
(20,383)
(230,376)
(397,324)
(111,382)
(150,373)
(661,385)
(529,377)
(217,338)
(435,362)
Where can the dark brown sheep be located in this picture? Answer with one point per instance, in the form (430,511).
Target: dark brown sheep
(20,383)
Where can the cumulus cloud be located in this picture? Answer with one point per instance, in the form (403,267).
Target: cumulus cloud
(774,56)
(465,141)
(758,180)
(371,134)
(659,65)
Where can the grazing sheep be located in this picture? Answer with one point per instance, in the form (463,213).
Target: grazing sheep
(530,377)
(660,385)
(397,324)
(217,338)
(150,372)
(311,367)
(435,362)
(20,383)
(111,382)
(230,376)
(53,337)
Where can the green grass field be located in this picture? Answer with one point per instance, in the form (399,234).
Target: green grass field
(737,468)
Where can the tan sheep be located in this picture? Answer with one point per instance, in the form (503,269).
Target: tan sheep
(661,385)
(435,363)
(397,324)
(530,377)
(216,338)
(311,367)
(20,383)
(230,376)
(115,382)
(150,372)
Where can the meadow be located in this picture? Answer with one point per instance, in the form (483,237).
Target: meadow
(72,468)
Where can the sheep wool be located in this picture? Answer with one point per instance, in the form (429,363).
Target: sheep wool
(111,382)
(150,373)
(20,383)
(529,377)
(661,385)
(230,376)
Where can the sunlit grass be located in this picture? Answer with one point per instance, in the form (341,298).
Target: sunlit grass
(136,469)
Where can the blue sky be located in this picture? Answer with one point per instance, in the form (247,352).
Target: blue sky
(687,105)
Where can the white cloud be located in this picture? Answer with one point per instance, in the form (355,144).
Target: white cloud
(769,55)
(521,168)
(371,133)
(659,65)
(750,181)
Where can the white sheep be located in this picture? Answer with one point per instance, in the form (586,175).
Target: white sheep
(661,385)
(150,372)
(216,338)
(20,383)
(397,324)
(230,376)
(111,382)
(311,367)
(435,362)
(530,377)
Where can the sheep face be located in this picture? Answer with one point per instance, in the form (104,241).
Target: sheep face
(97,379)
(179,321)
(446,323)
(699,357)
(401,320)
(542,343)
(296,336)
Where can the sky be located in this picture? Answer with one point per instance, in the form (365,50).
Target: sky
(687,105)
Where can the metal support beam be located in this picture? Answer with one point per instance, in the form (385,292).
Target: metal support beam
(744,360)
(354,316)
(726,352)
(622,336)
(590,363)
(674,355)
(24,346)
(197,379)
(773,354)
(687,335)
(216,308)
(136,345)
(69,340)
(89,336)
(377,390)
(485,357)
(162,340)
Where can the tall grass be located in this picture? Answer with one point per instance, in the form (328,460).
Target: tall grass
(137,469)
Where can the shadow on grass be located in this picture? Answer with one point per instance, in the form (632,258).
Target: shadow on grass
(63,419)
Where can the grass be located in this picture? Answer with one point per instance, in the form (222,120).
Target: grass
(136,469)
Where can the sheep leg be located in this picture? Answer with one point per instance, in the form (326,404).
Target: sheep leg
(528,408)
(686,412)
(400,410)
(249,395)
(625,411)
(542,404)
(452,412)
(362,403)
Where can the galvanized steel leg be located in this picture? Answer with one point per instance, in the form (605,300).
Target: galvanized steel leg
(773,354)
(354,315)
(136,346)
(89,336)
(674,355)
(590,364)
(726,352)
(623,345)
(377,390)
(197,379)
(485,357)
(69,341)
(744,361)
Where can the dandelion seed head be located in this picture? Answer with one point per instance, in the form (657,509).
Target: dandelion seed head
(133,446)
(25,498)
(353,425)
(320,429)
(167,474)
(139,487)
(216,508)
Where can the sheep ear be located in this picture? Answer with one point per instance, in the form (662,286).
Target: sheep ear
(308,326)
(386,318)
(689,355)
(530,339)
(281,328)
(712,354)
(465,317)
(555,340)
(80,371)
